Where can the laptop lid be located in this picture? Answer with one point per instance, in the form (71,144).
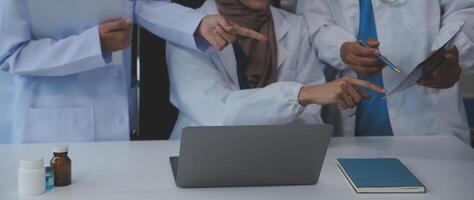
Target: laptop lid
(251,155)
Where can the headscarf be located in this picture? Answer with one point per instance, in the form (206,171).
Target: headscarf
(261,56)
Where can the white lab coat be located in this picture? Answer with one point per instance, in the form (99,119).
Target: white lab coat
(205,89)
(6,100)
(407,31)
(66,90)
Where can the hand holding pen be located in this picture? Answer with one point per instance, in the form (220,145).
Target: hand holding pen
(365,59)
(381,57)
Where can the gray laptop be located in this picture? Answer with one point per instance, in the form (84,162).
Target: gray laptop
(251,156)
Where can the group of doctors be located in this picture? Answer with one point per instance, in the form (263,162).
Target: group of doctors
(240,62)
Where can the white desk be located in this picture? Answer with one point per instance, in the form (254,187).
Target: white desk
(140,170)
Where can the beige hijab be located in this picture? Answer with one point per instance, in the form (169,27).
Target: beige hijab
(261,56)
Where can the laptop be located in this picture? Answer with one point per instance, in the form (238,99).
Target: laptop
(244,156)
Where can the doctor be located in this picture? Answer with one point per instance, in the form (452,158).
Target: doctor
(68,89)
(406,32)
(255,83)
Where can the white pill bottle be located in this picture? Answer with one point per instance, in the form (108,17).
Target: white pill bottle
(31,177)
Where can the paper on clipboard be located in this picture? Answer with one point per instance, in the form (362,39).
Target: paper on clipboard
(59,19)
(426,67)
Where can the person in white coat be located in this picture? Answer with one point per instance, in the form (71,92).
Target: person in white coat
(279,81)
(406,32)
(6,100)
(70,89)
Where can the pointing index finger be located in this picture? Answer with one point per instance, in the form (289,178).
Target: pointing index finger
(245,32)
(366,84)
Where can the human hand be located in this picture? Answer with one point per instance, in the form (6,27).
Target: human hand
(220,32)
(344,93)
(446,74)
(115,35)
(362,60)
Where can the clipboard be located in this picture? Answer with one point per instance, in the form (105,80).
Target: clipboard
(59,19)
(426,68)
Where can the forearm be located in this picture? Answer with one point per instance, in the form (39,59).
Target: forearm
(48,57)
(325,34)
(172,22)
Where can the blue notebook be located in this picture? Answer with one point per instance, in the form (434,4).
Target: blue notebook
(380,175)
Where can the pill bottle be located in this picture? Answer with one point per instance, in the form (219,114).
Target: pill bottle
(61,165)
(31,176)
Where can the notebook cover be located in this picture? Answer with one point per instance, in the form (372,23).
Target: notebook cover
(379,173)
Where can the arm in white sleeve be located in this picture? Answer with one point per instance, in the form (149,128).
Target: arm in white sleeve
(23,55)
(203,93)
(309,72)
(454,14)
(172,22)
(465,42)
(325,34)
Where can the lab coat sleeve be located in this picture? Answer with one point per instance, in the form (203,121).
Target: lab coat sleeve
(202,92)
(326,36)
(310,71)
(172,22)
(465,42)
(21,54)
(454,14)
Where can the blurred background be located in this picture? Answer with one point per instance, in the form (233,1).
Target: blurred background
(157,116)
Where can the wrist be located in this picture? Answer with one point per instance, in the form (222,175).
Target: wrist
(304,97)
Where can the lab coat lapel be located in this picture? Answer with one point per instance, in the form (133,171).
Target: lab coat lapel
(281,29)
(227,57)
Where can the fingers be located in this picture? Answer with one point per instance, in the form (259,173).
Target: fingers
(366,61)
(236,29)
(245,32)
(117,25)
(365,52)
(436,84)
(354,94)
(220,32)
(366,71)
(341,104)
(224,23)
(228,37)
(362,60)
(365,84)
(115,35)
(122,39)
(450,67)
(373,43)
(365,95)
(446,75)
(349,102)
(219,41)
(349,96)
(454,51)
(443,81)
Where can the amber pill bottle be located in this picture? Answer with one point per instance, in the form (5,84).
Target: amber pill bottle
(61,165)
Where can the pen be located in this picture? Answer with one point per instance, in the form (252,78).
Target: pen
(381,58)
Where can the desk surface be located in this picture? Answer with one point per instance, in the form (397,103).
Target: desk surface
(140,170)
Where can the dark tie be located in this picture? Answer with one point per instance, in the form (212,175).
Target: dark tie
(372,115)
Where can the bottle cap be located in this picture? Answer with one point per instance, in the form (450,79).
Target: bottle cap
(60,148)
(32,163)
